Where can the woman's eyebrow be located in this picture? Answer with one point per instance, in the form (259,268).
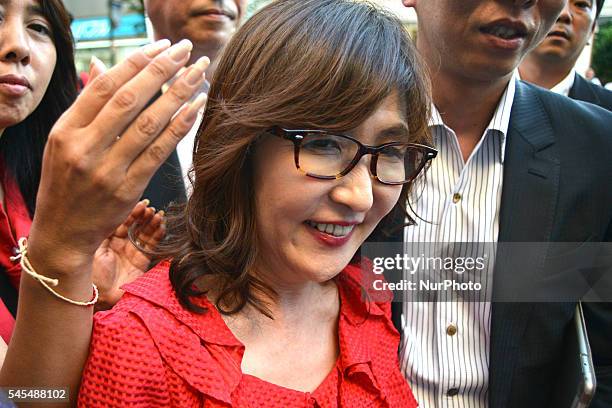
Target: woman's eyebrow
(396,131)
(34,10)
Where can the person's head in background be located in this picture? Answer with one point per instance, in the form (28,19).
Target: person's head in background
(339,66)
(209,24)
(589,74)
(37,84)
(556,56)
(480,41)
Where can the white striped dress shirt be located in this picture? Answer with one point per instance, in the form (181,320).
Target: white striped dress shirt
(445,344)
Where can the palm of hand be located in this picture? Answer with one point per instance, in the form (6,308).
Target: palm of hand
(117,261)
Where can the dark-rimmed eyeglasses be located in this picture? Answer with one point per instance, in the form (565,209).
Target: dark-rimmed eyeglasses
(329,156)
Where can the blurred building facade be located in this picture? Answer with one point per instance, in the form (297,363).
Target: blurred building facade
(108,29)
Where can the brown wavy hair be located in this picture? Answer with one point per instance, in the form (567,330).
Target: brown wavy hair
(322,64)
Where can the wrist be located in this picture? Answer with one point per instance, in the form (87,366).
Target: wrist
(64,284)
(57,260)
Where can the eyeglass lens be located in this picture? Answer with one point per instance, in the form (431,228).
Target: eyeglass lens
(327,155)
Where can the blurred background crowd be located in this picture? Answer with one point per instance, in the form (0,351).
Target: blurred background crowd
(111,29)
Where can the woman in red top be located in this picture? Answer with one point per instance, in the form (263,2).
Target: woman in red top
(308,140)
(72,200)
(37,84)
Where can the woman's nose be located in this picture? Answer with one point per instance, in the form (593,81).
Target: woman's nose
(14,45)
(355,189)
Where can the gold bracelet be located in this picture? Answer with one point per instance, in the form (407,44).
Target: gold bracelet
(26,266)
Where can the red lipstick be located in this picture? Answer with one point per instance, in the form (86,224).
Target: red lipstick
(329,239)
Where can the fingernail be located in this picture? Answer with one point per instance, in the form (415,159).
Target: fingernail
(196,71)
(179,51)
(153,208)
(91,63)
(203,63)
(199,101)
(146,202)
(155,48)
(162,213)
(196,105)
(193,76)
(97,62)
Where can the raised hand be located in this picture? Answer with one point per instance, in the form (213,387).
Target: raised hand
(118,260)
(98,160)
(103,151)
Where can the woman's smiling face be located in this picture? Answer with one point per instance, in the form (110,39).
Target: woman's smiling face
(308,228)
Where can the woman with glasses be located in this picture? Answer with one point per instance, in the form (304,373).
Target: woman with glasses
(314,129)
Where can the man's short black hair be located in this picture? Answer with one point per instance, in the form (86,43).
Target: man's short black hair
(600,4)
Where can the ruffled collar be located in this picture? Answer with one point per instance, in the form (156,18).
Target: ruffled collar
(208,331)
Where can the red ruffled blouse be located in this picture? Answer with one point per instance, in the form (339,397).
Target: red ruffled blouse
(148,351)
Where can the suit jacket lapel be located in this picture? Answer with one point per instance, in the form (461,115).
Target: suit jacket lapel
(529,195)
(582,91)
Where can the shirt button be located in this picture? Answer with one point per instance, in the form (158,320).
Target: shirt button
(451,330)
(456,198)
(452,392)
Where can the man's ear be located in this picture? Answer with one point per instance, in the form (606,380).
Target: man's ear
(409,3)
(593,31)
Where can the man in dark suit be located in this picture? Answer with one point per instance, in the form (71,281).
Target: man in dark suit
(517,164)
(587,91)
(209,24)
(551,64)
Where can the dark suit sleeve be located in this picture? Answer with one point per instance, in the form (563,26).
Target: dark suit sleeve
(573,155)
(598,317)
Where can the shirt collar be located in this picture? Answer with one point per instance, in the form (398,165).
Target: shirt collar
(356,317)
(155,288)
(563,87)
(500,121)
